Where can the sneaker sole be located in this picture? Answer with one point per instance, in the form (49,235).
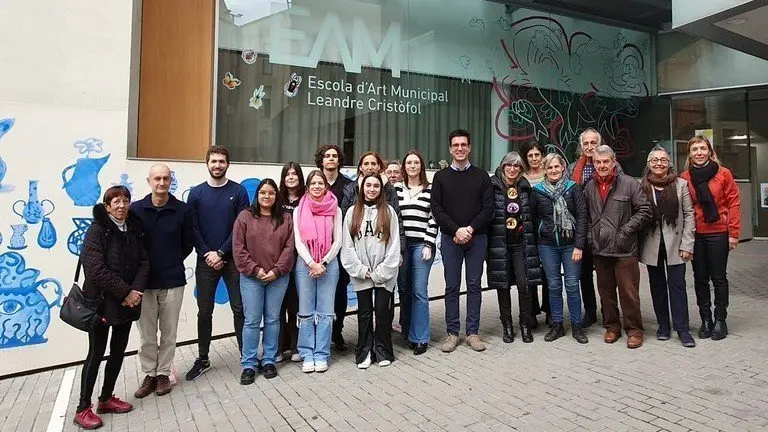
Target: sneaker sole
(86,428)
(102,411)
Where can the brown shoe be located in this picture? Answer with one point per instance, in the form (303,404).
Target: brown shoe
(163,385)
(611,336)
(147,386)
(450,343)
(635,341)
(475,342)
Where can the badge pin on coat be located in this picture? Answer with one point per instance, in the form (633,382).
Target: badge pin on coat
(291,88)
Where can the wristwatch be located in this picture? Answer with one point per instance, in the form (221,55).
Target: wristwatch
(324,263)
(220,254)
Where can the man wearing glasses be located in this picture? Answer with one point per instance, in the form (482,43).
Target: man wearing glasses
(462,205)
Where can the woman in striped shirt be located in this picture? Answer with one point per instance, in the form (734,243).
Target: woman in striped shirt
(414,195)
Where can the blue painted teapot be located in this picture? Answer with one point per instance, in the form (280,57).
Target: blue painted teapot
(25,312)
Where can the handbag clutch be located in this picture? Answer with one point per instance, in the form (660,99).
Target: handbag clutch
(78,311)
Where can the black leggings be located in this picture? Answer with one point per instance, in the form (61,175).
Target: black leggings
(97,346)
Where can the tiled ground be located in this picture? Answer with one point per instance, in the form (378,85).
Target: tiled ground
(532,387)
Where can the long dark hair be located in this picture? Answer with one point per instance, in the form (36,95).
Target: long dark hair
(275,213)
(283,193)
(422,173)
(383,220)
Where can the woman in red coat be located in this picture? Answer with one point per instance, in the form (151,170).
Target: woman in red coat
(717,210)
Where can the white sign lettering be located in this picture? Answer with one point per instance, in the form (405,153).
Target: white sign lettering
(364,52)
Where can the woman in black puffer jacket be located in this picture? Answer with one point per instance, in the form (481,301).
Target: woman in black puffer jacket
(116,268)
(512,253)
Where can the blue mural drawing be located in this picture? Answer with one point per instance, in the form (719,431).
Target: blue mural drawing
(5,125)
(25,311)
(251,184)
(32,209)
(46,238)
(77,237)
(125,180)
(81,179)
(174,183)
(17,241)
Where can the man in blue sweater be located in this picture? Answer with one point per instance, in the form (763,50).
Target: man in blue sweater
(462,205)
(215,205)
(169,240)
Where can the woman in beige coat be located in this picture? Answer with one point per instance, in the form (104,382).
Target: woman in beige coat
(667,244)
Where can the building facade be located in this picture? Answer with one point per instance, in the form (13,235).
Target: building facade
(93,94)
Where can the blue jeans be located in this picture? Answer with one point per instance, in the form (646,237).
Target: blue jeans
(316,298)
(454,256)
(261,300)
(413,285)
(552,257)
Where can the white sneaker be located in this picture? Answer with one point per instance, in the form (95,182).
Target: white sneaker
(321,366)
(296,358)
(279,358)
(309,367)
(366,363)
(385,363)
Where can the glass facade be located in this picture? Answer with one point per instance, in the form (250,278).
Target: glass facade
(400,74)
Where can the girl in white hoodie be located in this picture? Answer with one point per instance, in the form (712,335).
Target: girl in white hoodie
(371,255)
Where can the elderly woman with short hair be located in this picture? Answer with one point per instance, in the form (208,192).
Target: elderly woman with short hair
(667,243)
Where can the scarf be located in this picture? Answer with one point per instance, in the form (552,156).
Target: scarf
(700,177)
(667,207)
(604,184)
(563,219)
(316,224)
(578,170)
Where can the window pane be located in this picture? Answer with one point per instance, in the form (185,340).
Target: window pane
(726,116)
(394,75)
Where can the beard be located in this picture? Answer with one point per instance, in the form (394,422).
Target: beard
(217,176)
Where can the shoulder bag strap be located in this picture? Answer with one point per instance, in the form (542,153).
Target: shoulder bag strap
(77,270)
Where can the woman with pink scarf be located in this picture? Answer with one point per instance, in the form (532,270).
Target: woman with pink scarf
(317,230)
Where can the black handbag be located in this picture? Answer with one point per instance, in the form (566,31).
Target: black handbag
(78,311)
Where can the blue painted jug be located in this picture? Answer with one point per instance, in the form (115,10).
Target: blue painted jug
(82,185)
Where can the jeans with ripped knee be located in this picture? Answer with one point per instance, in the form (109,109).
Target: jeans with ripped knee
(315,318)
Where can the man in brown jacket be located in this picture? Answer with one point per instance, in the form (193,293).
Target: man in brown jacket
(618,210)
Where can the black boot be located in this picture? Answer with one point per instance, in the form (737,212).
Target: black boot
(578,333)
(549,320)
(589,319)
(525,333)
(509,332)
(556,332)
(720,331)
(705,332)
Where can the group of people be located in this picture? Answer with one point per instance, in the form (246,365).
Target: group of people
(287,257)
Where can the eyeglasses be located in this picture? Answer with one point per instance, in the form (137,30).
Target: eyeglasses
(663,161)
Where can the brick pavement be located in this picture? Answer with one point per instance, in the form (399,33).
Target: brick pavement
(526,387)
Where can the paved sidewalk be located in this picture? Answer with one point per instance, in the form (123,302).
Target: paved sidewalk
(527,387)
